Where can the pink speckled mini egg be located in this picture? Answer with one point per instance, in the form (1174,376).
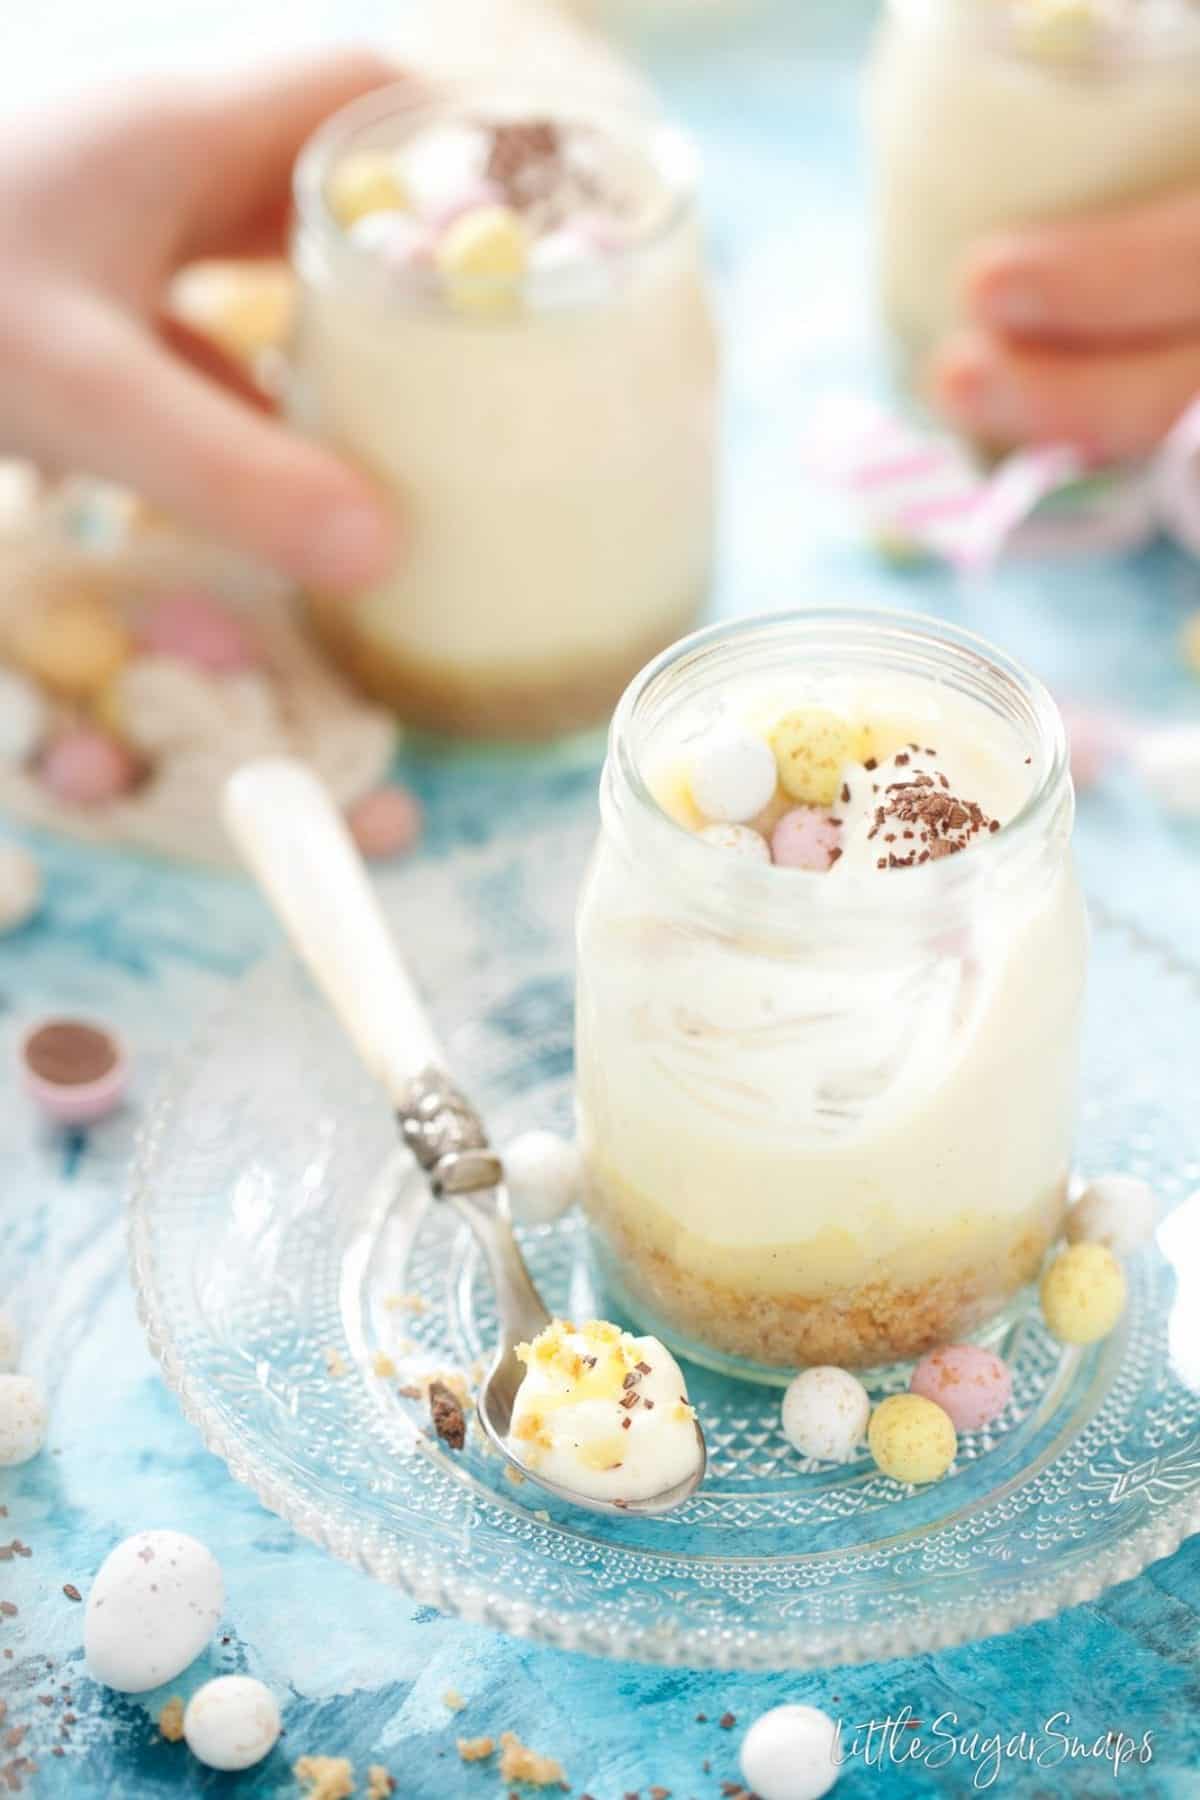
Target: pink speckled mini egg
(197,629)
(85,767)
(385,822)
(969,1383)
(806,838)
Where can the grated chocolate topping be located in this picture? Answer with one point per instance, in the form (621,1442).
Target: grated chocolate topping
(935,821)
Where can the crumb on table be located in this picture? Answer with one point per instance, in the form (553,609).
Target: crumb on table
(519,1763)
(335,1363)
(446,1412)
(382,1365)
(380,1784)
(170,1719)
(475,1749)
(453,1699)
(325,1777)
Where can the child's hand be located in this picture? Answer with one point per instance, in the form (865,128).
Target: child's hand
(98,208)
(1086,332)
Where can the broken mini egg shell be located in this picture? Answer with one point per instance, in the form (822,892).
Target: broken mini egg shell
(232,1722)
(912,1439)
(732,775)
(791,1753)
(970,1384)
(825,1413)
(1118,1211)
(155,1603)
(23,1420)
(1083,1294)
(544,1176)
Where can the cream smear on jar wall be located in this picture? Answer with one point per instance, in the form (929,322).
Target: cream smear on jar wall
(504,316)
(826,1091)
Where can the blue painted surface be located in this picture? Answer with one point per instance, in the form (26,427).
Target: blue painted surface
(361,1671)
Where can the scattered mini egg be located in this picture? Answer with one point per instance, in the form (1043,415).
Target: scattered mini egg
(395,238)
(911,1438)
(75,1071)
(1083,1294)
(825,1413)
(385,822)
(732,775)
(970,1384)
(812,746)
(86,767)
(197,629)
(806,838)
(743,840)
(367,181)
(20,887)
(791,1753)
(155,1603)
(1169,764)
(544,1176)
(10,1343)
(22,1420)
(72,646)
(232,1722)
(1118,1211)
(481,257)
(23,717)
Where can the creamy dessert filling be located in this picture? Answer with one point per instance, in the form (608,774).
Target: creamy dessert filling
(603,1413)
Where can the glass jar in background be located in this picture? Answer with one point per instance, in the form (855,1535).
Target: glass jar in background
(827,1122)
(986,114)
(552,458)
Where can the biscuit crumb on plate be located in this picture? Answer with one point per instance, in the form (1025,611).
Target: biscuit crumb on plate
(475,1749)
(519,1763)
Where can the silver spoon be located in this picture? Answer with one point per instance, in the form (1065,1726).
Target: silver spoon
(295,842)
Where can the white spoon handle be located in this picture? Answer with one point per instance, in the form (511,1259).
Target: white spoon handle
(286,826)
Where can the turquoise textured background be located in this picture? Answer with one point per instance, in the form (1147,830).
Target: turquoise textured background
(359,1670)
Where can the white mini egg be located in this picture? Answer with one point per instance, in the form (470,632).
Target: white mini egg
(1119,1211)
(232,1723)
(20,887)
(825,1413)
(10,1343)
(155,1603)
(791,1753)
(733,774)
(544,1176)
(743,840)
(22,1420)
(24,717)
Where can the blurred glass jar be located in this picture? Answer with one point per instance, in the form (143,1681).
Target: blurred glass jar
(987,114)
(552,457)
(827,1125)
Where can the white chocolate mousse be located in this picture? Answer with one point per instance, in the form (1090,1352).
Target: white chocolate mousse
(603,1414)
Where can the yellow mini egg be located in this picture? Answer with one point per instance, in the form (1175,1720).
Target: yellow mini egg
(1057,30)
(911,1438)
(367,181)
(482,256)
(812,747)
(1083,1293)
(73,646)
(1189,642)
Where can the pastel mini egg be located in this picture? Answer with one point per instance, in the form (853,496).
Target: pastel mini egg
(806,838)
(72,646)
(825,1413)
(24,716)
(158,704)
(198,629)
(86,767)
(155,1603)
(1118,1211)
(911,1438)
(743,840)
(385,822)
(366,181)
(544,1176)
(482,257)
(23,1420)
(732,774)
(1083,1294)
(970,1384)
(812,746)
(791,1753)
(396,238)
(10,1343)
(232,1722)
(20,887)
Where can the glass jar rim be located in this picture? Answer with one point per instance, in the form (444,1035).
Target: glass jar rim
(773,897)
(669,150)
(1118,45)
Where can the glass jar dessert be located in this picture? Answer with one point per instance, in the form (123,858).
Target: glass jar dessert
(503,315)
(831,956)
(986,114)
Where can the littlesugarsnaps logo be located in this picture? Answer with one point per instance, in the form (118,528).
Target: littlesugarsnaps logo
(983,1756)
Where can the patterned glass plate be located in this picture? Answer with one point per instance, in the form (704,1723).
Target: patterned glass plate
(280,1248)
